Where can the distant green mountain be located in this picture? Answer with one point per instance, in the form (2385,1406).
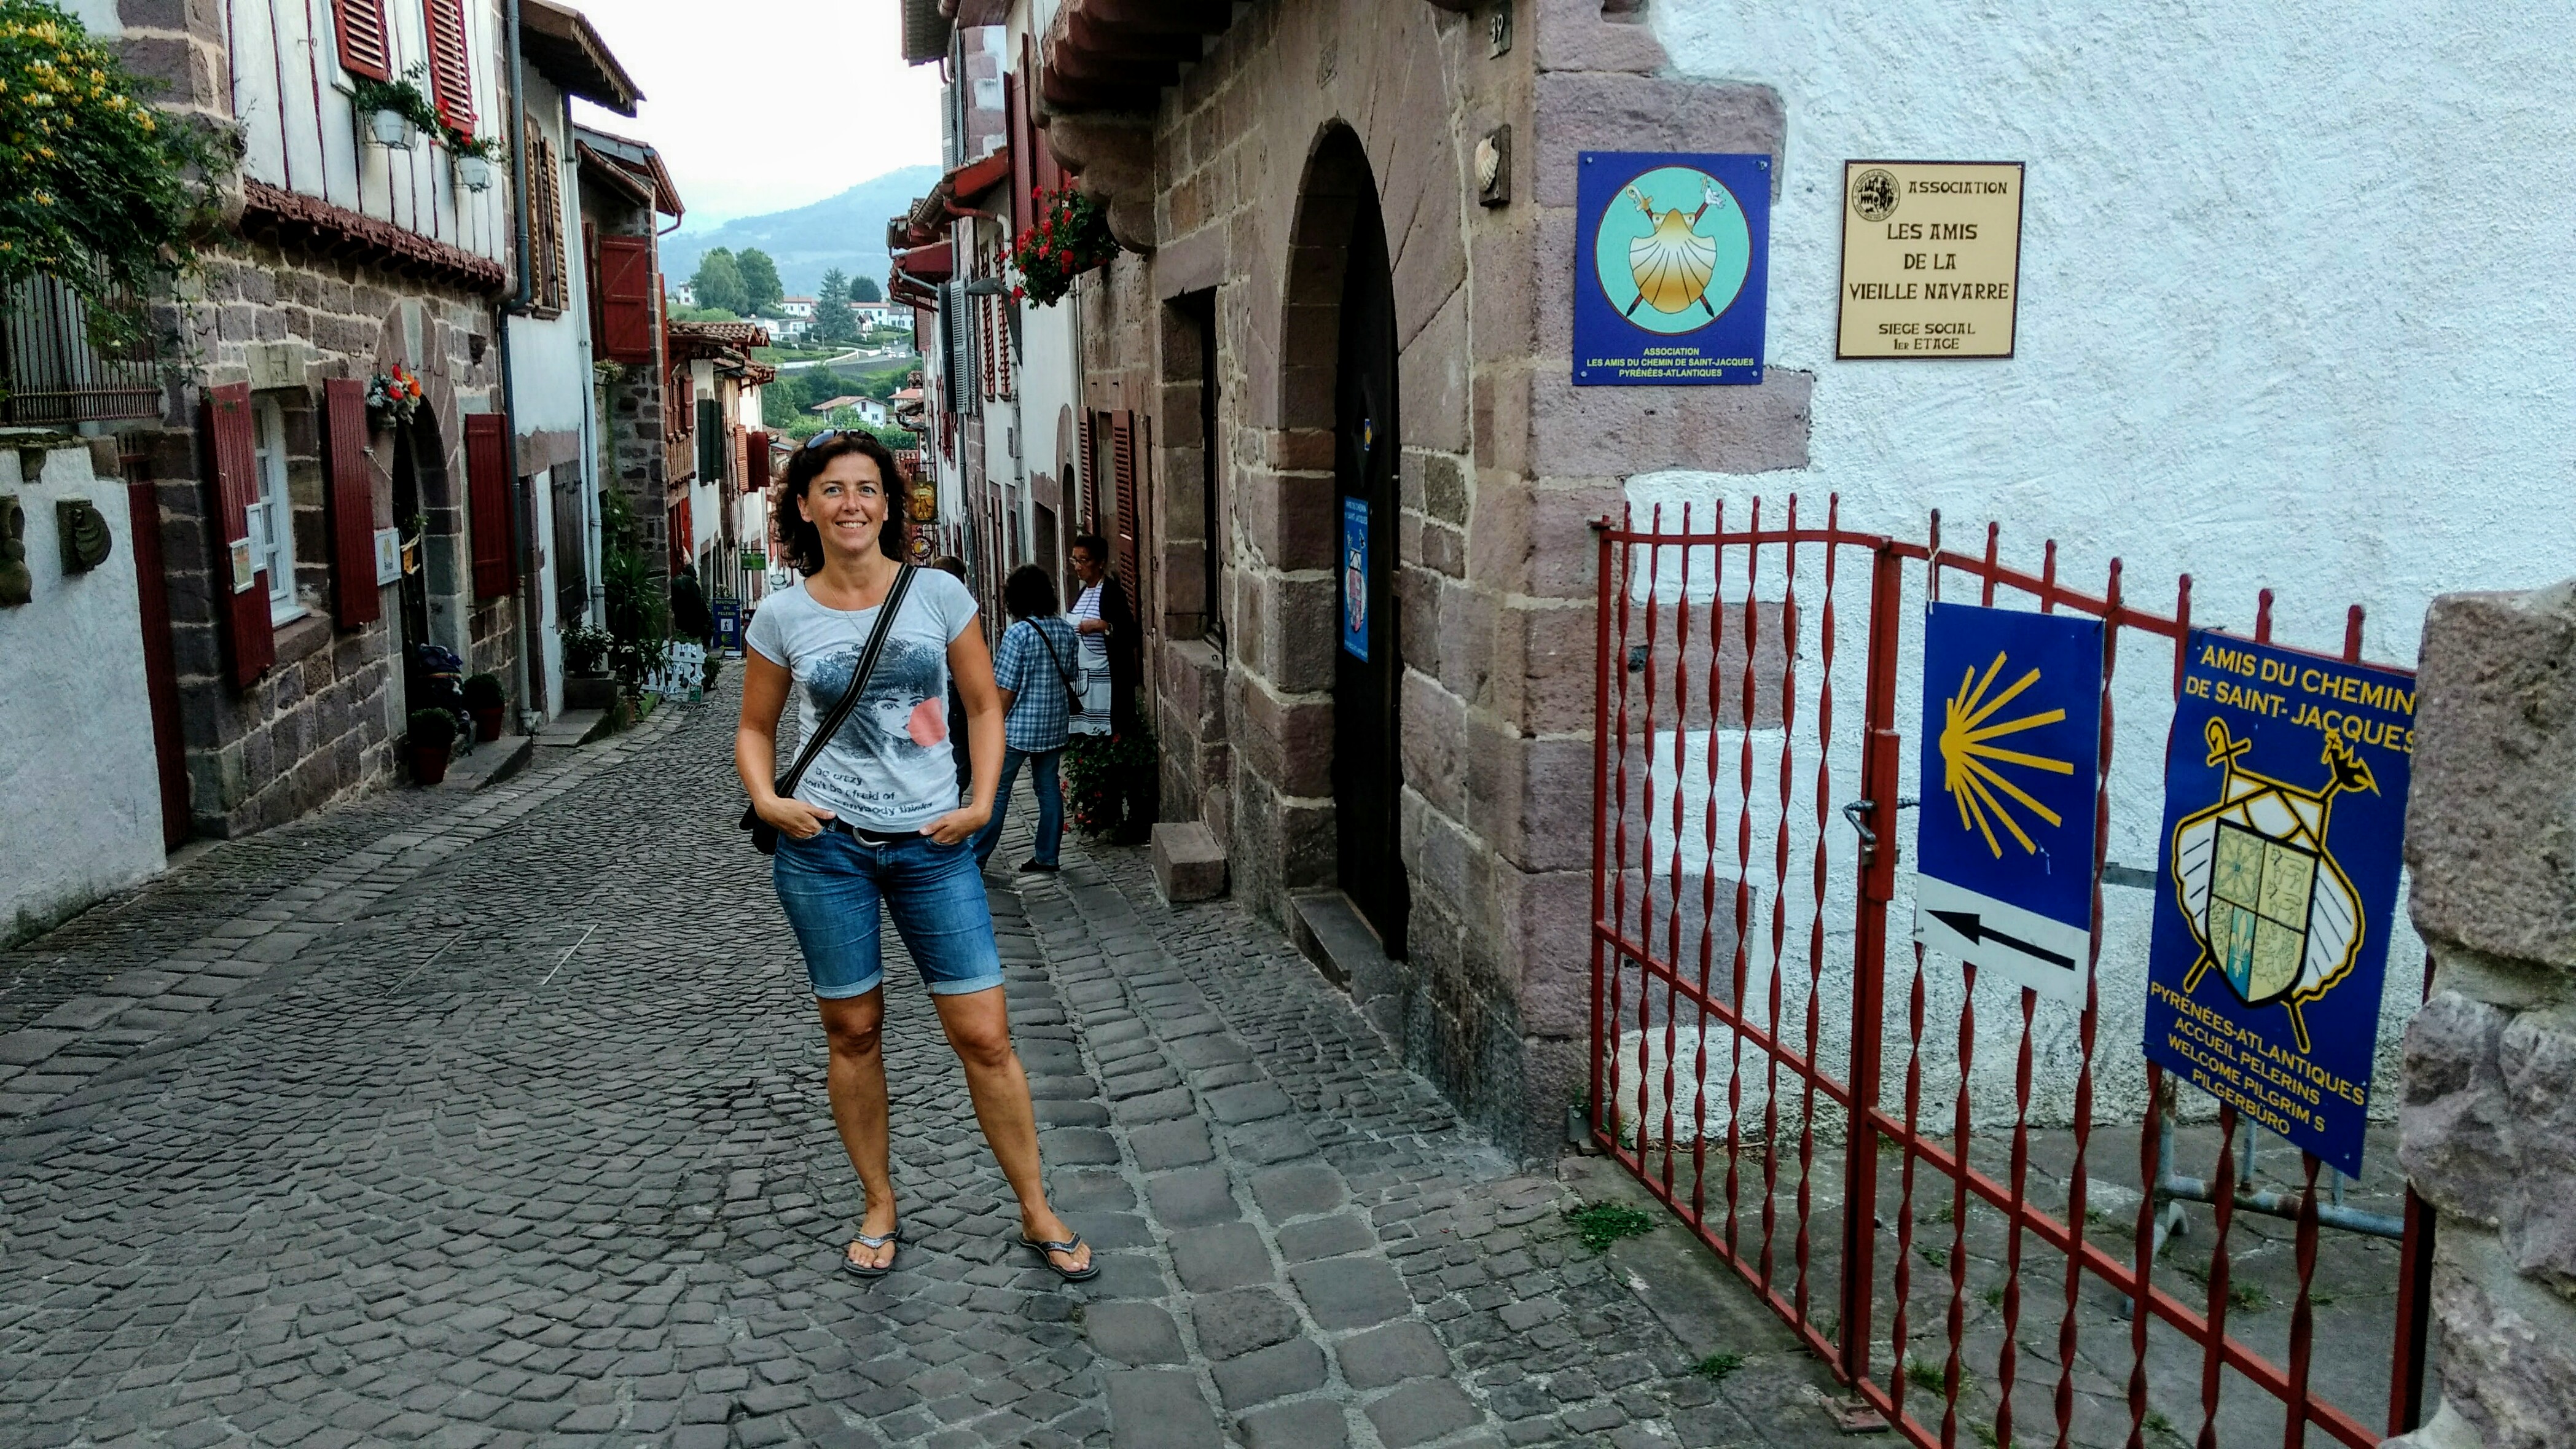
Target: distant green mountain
(846,231)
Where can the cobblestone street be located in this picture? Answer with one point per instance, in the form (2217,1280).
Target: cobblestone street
(497,1118)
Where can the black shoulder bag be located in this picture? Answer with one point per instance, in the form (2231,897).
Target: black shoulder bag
(764,836)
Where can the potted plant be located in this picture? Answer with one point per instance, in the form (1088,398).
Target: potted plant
(1070,237)
(474,157)
(483,698)
(395,395)
(395,110)
(433,732)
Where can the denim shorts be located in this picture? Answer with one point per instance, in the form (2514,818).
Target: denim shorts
(833,884)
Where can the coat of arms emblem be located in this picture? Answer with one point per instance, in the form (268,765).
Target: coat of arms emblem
(2271,909)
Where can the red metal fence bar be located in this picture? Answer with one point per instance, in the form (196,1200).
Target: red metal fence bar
(1675,985)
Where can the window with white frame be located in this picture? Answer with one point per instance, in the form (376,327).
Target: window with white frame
(272,522)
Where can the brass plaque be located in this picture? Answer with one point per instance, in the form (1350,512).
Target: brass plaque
(1931,258)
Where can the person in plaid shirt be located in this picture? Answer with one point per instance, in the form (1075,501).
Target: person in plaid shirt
(1038,667)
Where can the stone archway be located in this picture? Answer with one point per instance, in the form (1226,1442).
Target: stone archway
(1335,667)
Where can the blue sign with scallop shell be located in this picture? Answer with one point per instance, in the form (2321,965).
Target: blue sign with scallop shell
(1671,268)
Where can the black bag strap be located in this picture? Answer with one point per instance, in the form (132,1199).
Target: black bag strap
(830,724)
(1052,657)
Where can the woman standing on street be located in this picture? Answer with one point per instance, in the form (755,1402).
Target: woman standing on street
(875,821)
(1037,671)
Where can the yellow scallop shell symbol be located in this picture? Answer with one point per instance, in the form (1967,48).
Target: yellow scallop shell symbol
(1673,263)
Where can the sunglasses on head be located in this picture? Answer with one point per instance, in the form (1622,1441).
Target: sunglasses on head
(824,436)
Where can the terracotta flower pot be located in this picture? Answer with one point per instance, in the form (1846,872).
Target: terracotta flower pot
(487,725)
(428,765)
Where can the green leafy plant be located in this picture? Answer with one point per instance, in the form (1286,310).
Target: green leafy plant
(432,729)
(639,608)
(1103,777)
(483,691)
(402,95)
(585,649)
(1937,1257)
(484,148)
(104,194)
(1600,1224)
(1070,237)
(1718,1365)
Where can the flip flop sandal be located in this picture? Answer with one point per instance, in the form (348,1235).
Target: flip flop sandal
(855,1269)
(1046,1254)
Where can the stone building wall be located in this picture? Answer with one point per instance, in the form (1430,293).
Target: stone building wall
(323,721)
(2488,1121)
(1503,463)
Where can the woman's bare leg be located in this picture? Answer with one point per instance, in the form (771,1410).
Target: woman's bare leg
(979,1028)
(857,1084)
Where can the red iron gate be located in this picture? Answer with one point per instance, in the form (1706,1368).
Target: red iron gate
(1741,1036)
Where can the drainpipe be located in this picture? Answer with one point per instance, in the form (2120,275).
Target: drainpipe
(530,680)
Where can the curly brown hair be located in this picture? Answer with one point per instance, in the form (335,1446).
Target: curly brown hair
(798,535)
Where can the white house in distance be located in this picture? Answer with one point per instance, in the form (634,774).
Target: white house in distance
(683,294)
(871,412)
(796,308)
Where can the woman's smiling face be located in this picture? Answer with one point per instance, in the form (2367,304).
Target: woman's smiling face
(846,503)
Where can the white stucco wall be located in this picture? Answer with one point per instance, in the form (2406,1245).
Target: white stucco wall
(300,133)
(78,787)
(550,381)
(2277,322)
(2277,328)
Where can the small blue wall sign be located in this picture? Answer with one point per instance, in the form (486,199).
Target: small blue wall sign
(728,613)
(2285,813)
(1671,268)
(1355,578)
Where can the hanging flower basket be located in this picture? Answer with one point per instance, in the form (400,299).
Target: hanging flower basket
(395,395)
(474,157)
(1070,237)
(395,110)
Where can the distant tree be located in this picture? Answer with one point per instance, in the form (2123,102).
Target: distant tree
(761,288)
(865,290)
(719,282)
(702,314)
(832,320)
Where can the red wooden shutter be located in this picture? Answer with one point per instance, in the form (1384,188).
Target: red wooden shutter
(1015,112)
(361,27)
(755,457)
(1087,470)
(451,76)
(626,298)
(487,484)
(244,605)
(1122,444)
(354,596)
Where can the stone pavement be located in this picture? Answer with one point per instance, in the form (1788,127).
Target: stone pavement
(501,1122)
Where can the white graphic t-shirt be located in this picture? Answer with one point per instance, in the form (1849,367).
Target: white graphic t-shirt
(889,768)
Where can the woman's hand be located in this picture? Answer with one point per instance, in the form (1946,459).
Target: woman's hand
(957,824)
(793,818)
(1091,626)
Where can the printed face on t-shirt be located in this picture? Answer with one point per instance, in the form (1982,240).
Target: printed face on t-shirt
(906,703)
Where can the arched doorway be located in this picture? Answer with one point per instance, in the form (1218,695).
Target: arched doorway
(1341,309)
(420,507)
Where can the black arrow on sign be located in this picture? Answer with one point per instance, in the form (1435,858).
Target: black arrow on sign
(1973,926)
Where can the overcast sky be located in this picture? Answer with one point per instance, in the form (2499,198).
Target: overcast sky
(763,105)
